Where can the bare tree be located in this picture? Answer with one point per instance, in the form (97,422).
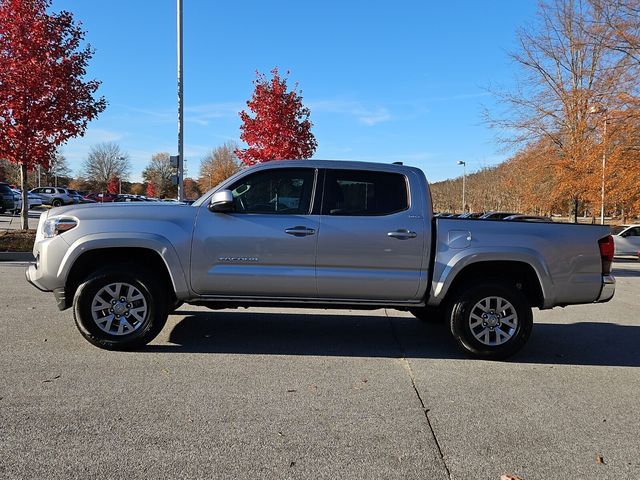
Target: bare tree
(568,70)
(218,165)
(106,161)
(160,173)
(58,169)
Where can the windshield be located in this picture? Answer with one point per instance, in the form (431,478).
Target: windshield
(619,229)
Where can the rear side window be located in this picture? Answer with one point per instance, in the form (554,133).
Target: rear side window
(364,193)
(62,191)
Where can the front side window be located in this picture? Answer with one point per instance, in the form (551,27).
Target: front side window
(286,191)
(363,193)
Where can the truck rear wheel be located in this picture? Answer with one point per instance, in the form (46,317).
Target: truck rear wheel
(119,308)
(491,321)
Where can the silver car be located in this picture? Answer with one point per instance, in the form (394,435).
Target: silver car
(626,239)
(55,196)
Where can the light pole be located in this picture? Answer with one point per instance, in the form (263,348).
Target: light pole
(464,181)
(602,110)
(119,178)
(180,104)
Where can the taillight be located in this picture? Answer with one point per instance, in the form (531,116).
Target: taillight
(607,248)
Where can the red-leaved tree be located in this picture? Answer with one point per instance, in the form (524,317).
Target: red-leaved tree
(44,98)
(151,190)
(114,185)
(280,127)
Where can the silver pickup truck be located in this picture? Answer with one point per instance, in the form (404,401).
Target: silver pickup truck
(315,234)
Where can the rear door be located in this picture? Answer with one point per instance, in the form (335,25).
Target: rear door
(267,246)
(372,238)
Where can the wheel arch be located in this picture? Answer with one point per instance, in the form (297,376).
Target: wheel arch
(87,255)
(521,274)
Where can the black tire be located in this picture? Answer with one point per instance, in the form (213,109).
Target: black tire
(498,341)
(144,330)
(429,314)
(56,202)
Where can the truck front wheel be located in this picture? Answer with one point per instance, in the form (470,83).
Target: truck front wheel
(491,320)
(120,308)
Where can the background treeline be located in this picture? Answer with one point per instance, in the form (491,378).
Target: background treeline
(575,103)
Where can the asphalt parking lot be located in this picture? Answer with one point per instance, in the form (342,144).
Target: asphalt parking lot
(262,393)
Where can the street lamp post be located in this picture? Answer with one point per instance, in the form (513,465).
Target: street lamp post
(120,179)
(180,103)
(464,181)
(602,110)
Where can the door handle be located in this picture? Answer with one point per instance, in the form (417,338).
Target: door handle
(300,231)
(402,234)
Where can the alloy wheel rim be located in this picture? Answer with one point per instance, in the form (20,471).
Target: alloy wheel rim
(119,309)
(493,321)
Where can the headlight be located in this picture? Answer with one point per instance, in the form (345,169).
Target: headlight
(56,226)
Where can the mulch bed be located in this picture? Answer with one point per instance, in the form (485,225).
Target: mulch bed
(17,240)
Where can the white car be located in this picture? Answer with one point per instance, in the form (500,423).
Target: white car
(626,239)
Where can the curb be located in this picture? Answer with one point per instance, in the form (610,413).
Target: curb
(16,257)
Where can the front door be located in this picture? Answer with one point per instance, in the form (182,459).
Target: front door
(372,240)
(267,246)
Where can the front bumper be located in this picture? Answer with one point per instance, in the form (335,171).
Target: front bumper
(32,278)
(608,288)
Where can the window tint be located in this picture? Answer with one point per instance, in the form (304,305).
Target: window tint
(61,191)
(277,191)
(355,193)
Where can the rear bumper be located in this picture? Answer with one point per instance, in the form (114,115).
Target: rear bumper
(608,288)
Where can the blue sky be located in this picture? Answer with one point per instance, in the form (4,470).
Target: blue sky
(385,81)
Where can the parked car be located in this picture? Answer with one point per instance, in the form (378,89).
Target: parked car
(471,215)
(7,200)
(102,197)
(76,195)
(33,200)
(527,218)
(353,234)
(54,196)
(626,239)
(125,197)
(496,215)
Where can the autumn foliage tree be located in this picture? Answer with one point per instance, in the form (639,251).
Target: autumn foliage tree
(44,98)
(151,190)
(280,127)
(218,165)
(113,185)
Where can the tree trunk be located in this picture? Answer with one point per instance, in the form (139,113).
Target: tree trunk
(24,214)
(575,210)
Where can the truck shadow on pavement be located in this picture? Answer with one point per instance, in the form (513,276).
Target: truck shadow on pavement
(248,333)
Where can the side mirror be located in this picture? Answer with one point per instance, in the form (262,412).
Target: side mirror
(222,202)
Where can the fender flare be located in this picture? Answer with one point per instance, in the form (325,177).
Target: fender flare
(445,274)
(156,243)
